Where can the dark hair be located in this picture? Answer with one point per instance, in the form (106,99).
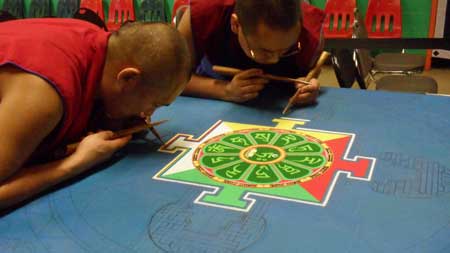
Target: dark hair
(279,14)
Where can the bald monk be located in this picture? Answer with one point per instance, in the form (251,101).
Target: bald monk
(279,37)
(54,73)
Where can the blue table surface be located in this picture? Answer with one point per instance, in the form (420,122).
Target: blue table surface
(117,207)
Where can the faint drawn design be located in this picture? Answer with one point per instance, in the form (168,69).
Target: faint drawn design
(15,246)
(419,178)
(183,226)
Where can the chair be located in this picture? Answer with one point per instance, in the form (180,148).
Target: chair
(339,18)
(14,7)
(401,83)
(151,10)
(67,8)
(344,67)
(179,7)
(94,5)
(384,21)
(120,11)
(338,24)
(39,9)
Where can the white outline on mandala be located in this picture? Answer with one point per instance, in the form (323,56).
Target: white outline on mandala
(247,196)
(294,119)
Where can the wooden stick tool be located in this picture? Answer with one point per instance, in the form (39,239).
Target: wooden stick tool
(122,133)
(227,71)
(313,73)
(152,128)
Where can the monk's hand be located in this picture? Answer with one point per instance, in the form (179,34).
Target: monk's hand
(308,93)
(97,148)
(245,86)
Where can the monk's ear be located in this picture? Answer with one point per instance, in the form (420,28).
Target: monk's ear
(128,78)
(234,22)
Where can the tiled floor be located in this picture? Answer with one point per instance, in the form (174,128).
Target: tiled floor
(441,74)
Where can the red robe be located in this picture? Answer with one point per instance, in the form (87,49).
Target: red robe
(69,54)
(213,38)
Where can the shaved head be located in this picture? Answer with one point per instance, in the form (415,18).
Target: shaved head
(147,66)
(157,49)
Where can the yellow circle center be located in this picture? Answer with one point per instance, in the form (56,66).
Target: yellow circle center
(262,154)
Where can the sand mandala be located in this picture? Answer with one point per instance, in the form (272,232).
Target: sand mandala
(262,158)
(236,161)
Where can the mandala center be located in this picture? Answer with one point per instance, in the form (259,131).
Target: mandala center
(262,154)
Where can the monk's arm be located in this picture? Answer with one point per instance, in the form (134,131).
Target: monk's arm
(29,110)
